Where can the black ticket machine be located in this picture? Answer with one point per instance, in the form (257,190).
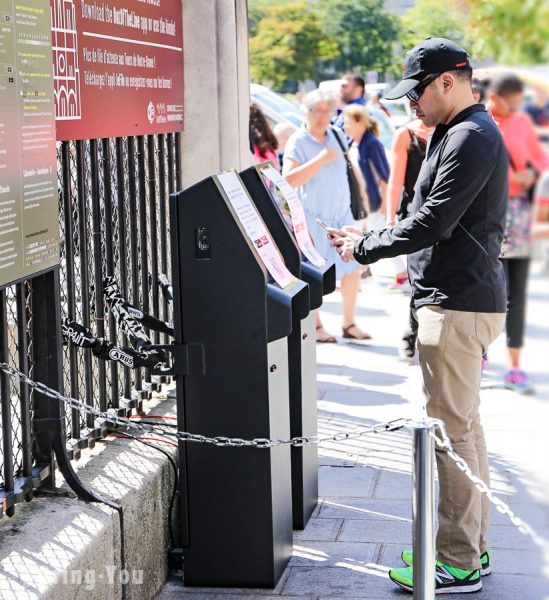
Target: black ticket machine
(234,304)
(283,219)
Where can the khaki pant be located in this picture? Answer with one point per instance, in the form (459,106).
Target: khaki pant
(451,344)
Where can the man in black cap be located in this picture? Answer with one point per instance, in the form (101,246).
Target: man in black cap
(454,238)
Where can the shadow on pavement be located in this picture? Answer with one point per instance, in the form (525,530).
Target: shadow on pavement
(361,376)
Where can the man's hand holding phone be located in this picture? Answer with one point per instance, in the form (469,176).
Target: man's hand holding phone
(332,232)
(343,240)
(346,241)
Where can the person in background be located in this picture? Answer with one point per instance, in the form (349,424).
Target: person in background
(478,88)
(282,132)
(351,92)
(263,141)
(541,197)
(372,159)
(541,219)
(407,154)
(315,165)
(526,160)
(538,109)
(374,167)
(375,101)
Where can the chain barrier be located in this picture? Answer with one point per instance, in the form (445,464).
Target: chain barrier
(442,442)
(183,436)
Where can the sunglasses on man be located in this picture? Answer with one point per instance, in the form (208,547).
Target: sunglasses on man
(415,94)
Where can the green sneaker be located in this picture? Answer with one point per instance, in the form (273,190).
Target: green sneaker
(448,580)
(485,568)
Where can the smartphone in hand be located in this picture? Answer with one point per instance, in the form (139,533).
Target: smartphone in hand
(333,231)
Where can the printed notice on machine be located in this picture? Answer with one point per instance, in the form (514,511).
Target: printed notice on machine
(297,213)
(255,228)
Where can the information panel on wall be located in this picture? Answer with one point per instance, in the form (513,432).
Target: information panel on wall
(29,229)
(118,67)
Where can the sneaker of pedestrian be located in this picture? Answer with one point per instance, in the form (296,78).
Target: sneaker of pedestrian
(485,568)
(448,579)
(516,380)
(483,361)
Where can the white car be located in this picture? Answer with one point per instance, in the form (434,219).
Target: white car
(275,107)
(376,88)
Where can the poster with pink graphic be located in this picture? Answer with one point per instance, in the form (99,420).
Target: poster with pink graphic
(255,228)
(297,213)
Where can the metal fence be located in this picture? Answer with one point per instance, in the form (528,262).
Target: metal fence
(113,219)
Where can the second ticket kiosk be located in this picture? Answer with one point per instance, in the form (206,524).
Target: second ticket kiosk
(234,299)
(283,214)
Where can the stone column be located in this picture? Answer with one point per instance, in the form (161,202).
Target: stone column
(215,42)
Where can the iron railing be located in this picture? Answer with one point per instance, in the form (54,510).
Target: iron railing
(113,219)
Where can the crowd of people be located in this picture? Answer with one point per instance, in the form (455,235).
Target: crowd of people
(312,159)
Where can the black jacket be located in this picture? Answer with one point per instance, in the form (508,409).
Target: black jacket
(458,214)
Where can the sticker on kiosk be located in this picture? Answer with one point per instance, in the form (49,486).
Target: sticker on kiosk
(297,214)
(255,228)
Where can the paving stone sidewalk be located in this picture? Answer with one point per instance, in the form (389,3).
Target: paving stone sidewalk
(363,519)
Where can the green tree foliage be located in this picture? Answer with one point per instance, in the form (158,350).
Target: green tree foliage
(433,18)
(365,34)
(289,45)
(506,31)
(256,12)
(294,40)
(509,31)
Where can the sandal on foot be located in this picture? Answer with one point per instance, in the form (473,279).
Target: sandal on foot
(326,339)
(348,335)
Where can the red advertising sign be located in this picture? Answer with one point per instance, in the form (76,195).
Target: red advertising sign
(118,67)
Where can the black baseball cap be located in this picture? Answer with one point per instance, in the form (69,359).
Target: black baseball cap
(434,55)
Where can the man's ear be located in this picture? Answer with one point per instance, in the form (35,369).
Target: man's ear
(448,82)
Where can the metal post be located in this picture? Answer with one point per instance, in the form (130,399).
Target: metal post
(178,164)
(143,244)
(24,406)
(123,255)
(107,202)
(163,225)
(83,233)
(5,405)
(133,227)
(153,216)
(97,229)
(48,416)
(70,279)
(423,512)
